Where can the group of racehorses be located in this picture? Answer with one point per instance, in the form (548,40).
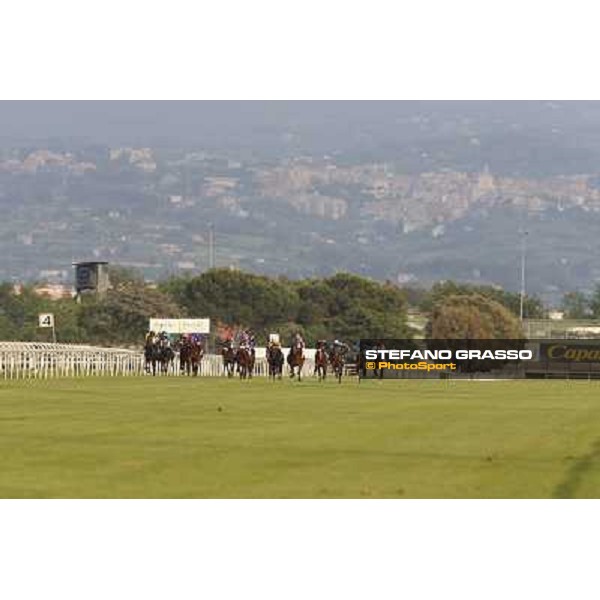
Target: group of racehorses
(160,355)
(244,359)
(334,359)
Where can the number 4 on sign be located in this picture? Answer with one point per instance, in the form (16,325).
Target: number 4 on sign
(46,320)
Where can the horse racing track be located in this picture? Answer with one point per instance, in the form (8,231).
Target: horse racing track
(128,437)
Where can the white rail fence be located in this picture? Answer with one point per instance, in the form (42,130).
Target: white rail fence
(31,360)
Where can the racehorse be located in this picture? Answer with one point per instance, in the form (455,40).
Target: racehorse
(296,361)
(275,361)
(228,354)
(190,356)
(196,357)
(245,362)
(321,363)
(337,364)
(151,355)
(185,357)
(166,356)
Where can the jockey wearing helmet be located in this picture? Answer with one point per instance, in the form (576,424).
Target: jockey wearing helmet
(251,340)
(321,345)
(298,341)
(297,344)
(244,339)
(339,348)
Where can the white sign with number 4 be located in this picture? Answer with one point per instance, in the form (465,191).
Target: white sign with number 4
(46,320)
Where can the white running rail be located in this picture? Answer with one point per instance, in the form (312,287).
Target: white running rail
(33,360)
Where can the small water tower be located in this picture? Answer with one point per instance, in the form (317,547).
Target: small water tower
(91,277)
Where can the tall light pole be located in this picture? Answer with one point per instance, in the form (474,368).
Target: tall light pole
(523,258)
(211,246)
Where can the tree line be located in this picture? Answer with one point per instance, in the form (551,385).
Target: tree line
(343,306)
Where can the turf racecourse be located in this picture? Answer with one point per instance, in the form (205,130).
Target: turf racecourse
(217,438)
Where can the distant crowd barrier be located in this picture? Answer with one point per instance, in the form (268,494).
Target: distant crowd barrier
(32,360)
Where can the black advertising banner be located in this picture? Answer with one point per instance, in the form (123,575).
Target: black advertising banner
(570,351)
(493,359)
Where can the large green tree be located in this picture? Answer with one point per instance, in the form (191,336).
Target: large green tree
(122,315)
(237,298)
(352,307)
(344,306)
(533,307)
(471,316)
(19,312)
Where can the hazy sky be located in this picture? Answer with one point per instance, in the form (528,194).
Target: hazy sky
(513,137)
(119,119)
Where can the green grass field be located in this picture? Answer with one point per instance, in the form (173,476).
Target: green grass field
(215,438)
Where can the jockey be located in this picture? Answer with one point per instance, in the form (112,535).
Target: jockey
(339,347)
(251,340)
(321,345)
(247,340)
(298,341)
(244,339)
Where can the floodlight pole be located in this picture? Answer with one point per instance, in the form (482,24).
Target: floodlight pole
(211,246)
(523,258)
